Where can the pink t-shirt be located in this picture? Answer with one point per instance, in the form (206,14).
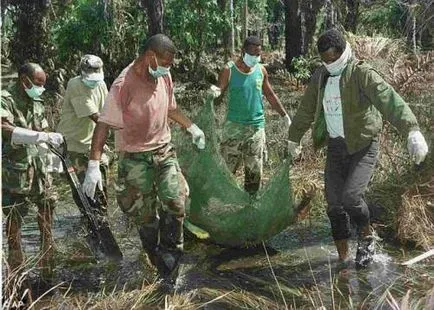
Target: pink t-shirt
(138,109)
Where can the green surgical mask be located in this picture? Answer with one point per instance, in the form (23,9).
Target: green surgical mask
(160,71)
(251,60)
(35,91)
(90,83)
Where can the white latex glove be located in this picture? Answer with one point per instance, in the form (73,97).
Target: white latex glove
(417,146)
(294,149)
(26,136)
(93,178)
(198,136)
(213,92)
(285,122)
(51,161)
(55,138)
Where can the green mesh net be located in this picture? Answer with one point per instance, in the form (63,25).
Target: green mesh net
(218,204)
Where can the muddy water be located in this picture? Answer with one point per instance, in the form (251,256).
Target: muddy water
(302,258)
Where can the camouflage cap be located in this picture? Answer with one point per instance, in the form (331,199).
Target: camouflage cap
(91,68)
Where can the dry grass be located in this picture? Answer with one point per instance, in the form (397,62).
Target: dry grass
(16,289)
(237,299)
(374,48)
(409,303)
(415,221)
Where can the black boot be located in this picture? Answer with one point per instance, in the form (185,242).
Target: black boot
(171,241)
(149,236)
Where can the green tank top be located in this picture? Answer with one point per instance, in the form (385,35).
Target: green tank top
(245,96)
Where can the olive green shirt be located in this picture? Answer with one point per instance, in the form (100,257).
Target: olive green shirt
(21,111)
(79,103)
(366,99)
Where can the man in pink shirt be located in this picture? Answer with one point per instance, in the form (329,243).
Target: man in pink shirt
(138,106)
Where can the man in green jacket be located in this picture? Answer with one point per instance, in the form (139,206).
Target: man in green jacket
(346,100)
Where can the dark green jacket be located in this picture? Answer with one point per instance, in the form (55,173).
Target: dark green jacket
(365,97)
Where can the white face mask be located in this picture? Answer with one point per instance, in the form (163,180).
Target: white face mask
(336,67)
(250,60)
(160,71)
(35,91)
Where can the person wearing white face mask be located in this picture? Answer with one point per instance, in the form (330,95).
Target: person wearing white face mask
(138,107)
(346,100)
(82,104)
(243,133)
(25,175)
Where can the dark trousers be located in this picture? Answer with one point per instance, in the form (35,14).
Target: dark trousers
(346,179)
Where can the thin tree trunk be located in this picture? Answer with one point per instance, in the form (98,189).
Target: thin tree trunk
(232,39)
(155,10)
(352,17)
(330,20)
(245,20)
(414,34)
(224,6)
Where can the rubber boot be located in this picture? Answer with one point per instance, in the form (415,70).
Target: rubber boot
(171,240)
(149,236)
(45,223)
(13,232)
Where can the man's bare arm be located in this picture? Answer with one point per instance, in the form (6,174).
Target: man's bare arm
(271,95)
(180,118)
(98,140)
(223,80)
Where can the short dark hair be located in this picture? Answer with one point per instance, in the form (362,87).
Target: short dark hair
(331,38)
(252,40)
(29,69)
(160,44)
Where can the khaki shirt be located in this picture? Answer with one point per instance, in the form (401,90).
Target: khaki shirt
(79,103)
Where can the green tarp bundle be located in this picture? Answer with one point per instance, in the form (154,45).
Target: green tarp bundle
(218,204)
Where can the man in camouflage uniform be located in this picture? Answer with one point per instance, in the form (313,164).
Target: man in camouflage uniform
(83,102)
(138,106)
(243,138)
(25,178)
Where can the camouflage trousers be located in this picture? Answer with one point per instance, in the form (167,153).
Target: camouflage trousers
(244,144)
(21,189)
(152,190)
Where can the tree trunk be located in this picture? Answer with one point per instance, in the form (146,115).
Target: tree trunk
(31,37)
(232,39)
(155,10)
(224,6)
(330,16)
(292,32)
(300,20)
(245,14)
(352,17)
